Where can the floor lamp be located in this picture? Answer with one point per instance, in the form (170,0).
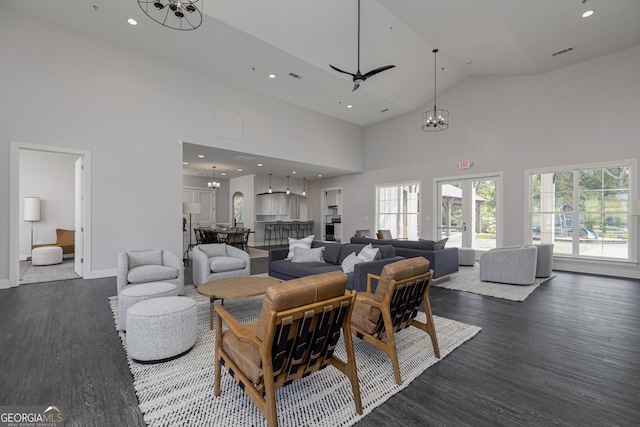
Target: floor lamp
(191,209)
(31,212)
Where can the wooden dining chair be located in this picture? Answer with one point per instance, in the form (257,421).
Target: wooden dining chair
(403,287)
(384,234)
(299,327)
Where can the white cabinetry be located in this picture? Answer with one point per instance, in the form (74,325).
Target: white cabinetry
(272,204)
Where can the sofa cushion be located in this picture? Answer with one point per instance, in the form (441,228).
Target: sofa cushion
(349,263)
(331,251)
(213,250)
(294,269)
(221,264)
(301,254)
(305,243)
(151,273)
(150,257)
(369,253)
(324,268)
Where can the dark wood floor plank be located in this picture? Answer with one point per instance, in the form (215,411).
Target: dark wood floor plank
(569,355)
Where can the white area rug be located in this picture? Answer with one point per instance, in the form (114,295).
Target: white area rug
(468,280)
(49,273)
(180,392)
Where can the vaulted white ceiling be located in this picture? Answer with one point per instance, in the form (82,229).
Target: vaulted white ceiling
(242,41)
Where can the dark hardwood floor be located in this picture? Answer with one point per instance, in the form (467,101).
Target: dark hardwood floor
(568,355)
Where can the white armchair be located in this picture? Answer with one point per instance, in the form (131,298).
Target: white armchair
(149,265)
(219,261)
(512,265)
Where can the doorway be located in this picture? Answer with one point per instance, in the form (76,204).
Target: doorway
(76,211)
(469,211)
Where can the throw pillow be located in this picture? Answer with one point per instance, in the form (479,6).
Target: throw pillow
(304,243)
(440,244)
(301,254)
(349,263)
(369,253)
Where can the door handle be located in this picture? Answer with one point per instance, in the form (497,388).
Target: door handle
(464,227)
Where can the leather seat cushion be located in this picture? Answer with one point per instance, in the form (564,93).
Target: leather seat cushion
(242,353)
(363,313)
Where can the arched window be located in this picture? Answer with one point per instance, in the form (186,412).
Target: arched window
(238,207)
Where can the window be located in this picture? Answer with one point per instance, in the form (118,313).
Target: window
(583,211)
(398,210)
(238,207)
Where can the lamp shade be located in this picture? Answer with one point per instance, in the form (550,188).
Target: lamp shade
(191,208)
(634,207)
(31,209)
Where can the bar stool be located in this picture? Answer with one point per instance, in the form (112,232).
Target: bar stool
(288,231)
(304,229)
(271,232)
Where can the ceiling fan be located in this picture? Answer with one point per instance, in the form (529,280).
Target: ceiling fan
(358,77)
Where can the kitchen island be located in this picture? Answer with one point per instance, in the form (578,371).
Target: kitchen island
(298,230)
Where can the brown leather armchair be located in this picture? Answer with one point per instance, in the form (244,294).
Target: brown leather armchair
(402,287)
(299,326)
(363,233)
(384,234)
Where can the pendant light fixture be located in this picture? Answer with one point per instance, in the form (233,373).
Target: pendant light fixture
(270,190)
(437,119)
(288,192)
(304,186)
(213,184)
(182,15)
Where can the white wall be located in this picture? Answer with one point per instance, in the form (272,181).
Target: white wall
(579,114)
(61,88)
(51,177)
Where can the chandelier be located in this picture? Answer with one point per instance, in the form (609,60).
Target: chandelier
(181,15)
(438,118)
(213,184)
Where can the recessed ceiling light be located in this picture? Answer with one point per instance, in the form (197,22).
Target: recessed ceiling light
(588,13)
(132,21)
(260,164)
(293,172)
(185,163)
(349,106)
(319,176)
(223,174)
(239,170)
(201,156)
(272,76)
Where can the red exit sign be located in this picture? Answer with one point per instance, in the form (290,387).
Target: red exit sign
(465,164)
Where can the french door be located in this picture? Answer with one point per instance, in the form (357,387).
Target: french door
(469,211)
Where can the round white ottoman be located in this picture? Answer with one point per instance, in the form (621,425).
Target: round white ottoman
(466,256)
(161,329)
(46,255)
(134,294)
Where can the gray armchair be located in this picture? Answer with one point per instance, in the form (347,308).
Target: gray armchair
(149,265)
(219,261)
(512,265)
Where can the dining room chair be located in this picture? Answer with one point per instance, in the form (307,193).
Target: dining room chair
(402,288)
(384,234)
(300,324)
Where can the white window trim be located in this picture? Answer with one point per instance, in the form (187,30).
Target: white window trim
(633,221)
(417,182)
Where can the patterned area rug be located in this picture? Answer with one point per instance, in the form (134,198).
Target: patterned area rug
(49,273)
(468,280)
(180,392)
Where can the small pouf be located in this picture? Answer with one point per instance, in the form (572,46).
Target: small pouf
(134,294)
(466,256)
(47,255)
(161,329)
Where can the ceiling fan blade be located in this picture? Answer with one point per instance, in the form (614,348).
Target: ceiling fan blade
(341,71)
(377,70)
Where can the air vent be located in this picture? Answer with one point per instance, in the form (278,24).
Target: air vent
(243,158)
(560,52)
(384,110)
(295,76)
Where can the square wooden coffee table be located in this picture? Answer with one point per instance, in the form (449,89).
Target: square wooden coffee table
(235,287)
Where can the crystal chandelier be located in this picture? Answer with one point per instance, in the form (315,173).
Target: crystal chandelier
(213,184)
(438,118)
(181,15)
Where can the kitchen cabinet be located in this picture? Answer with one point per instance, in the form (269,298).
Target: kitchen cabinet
(272,204)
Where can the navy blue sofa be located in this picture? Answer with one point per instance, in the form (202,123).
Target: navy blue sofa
(334,254)
(443,261)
